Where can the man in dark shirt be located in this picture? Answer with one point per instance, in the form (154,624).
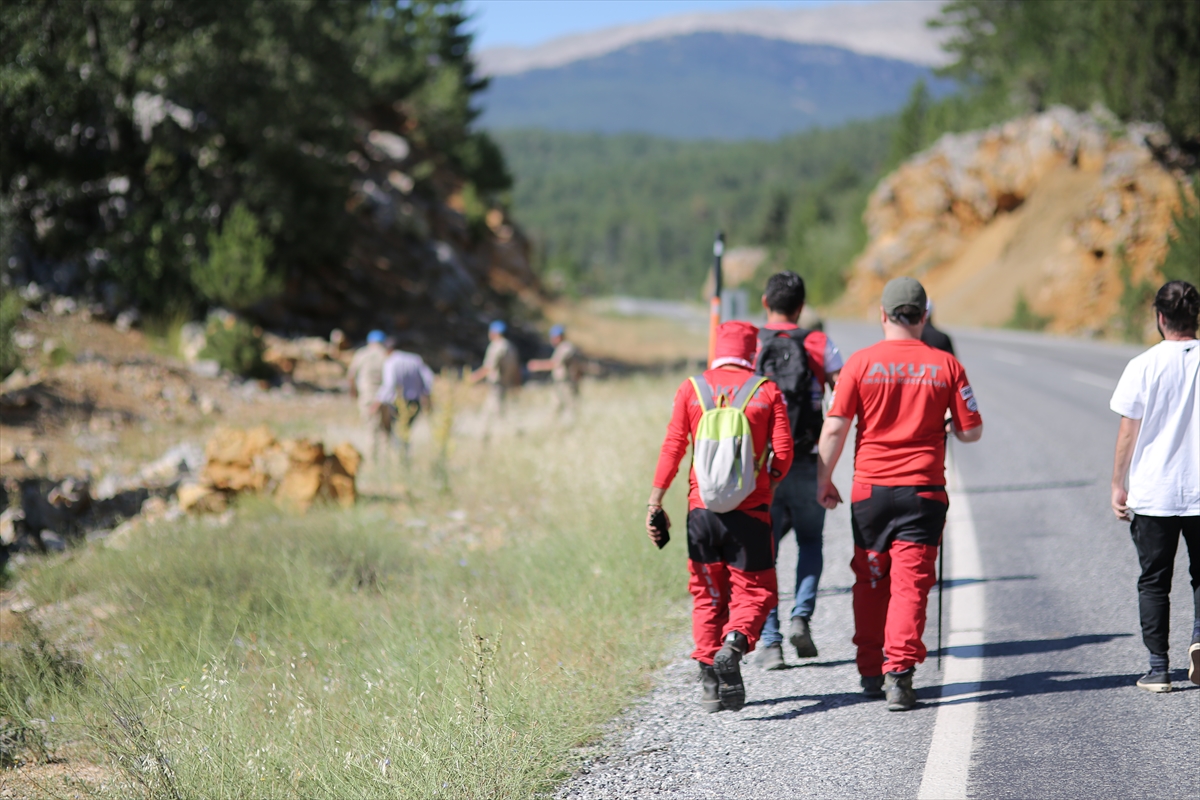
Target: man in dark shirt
(931,335)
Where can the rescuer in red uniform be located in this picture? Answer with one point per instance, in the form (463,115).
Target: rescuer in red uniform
(900,389)
(731,556)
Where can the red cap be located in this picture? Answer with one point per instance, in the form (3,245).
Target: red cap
(736,340)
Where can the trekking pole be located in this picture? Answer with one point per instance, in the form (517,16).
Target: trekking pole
(941,585)
(714,314)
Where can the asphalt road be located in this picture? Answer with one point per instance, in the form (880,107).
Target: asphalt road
(1052,710)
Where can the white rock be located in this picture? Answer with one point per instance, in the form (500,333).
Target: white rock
(191,341)
(127,319)
(394,146)
(206,368)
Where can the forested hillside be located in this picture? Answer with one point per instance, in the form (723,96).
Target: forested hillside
(636,214)
(1140,59)
(317,159)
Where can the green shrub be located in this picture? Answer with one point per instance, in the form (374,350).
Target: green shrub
(10,312)
(164,332)
(235,345)
(1023,317)
(61,354)
(1136,300)
(235,273)
(1183,257)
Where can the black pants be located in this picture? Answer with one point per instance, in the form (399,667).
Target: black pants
(1156,540)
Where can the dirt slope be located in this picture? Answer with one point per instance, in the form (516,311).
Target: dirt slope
(1061,208)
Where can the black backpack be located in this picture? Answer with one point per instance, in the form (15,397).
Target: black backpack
(783,359)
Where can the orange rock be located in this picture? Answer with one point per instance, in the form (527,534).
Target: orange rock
(348,457)
(1052,207)
(302,452)
(300,487)
(234,446)
(297,471)
(201,499)
(342,489)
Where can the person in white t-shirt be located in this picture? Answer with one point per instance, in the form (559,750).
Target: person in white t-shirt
(1156,471)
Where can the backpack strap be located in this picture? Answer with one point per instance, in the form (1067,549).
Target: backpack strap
(747,390)
(704,392)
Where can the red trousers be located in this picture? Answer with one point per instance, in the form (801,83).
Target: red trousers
(724,599)
(731,566)
(890,594)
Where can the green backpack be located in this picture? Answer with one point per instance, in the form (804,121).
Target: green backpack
(723,447)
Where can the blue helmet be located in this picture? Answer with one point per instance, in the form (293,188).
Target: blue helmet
(497,327)
(375,337)
(557,330)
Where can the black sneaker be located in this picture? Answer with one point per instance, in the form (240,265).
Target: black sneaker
(898,688)
(1194,661)
(726,663)
(872,686)
(1157,681)
(770,656)
(801,638)
(710,701)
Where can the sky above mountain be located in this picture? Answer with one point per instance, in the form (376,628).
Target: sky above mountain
(522,23)
(515,36)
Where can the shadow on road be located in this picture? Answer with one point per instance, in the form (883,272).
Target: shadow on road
(1036,683)
(956,582)
(1030,684)
(1028,646)
(1033,683)
(817,702)
(805,664)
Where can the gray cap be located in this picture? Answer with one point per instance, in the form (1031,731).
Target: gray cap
(903,291)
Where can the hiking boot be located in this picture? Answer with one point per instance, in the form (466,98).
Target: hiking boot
(729,674)
(801,638)
(770,656)
(1194,660)
(710,701)
(1157,681)
(872,686)
(898,688)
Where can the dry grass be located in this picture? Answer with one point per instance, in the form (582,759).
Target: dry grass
(453,636)
(633,340)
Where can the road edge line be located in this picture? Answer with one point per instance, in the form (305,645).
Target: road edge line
(948,765)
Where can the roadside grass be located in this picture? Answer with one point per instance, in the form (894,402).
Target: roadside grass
(458,642)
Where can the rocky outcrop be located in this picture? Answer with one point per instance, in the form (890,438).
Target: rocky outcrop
(296,472)
(1063,209)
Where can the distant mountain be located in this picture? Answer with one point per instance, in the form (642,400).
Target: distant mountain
(894,29)
(706,85)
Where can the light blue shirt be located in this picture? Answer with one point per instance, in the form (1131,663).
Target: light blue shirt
(406,374)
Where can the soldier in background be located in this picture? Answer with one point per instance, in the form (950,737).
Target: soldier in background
(502,371)
(565,367)
(365,377)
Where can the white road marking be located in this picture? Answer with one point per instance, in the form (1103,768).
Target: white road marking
(948,765)
(1092,379)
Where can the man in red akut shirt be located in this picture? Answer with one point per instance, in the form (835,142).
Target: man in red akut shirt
(900,389)
(731,555)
